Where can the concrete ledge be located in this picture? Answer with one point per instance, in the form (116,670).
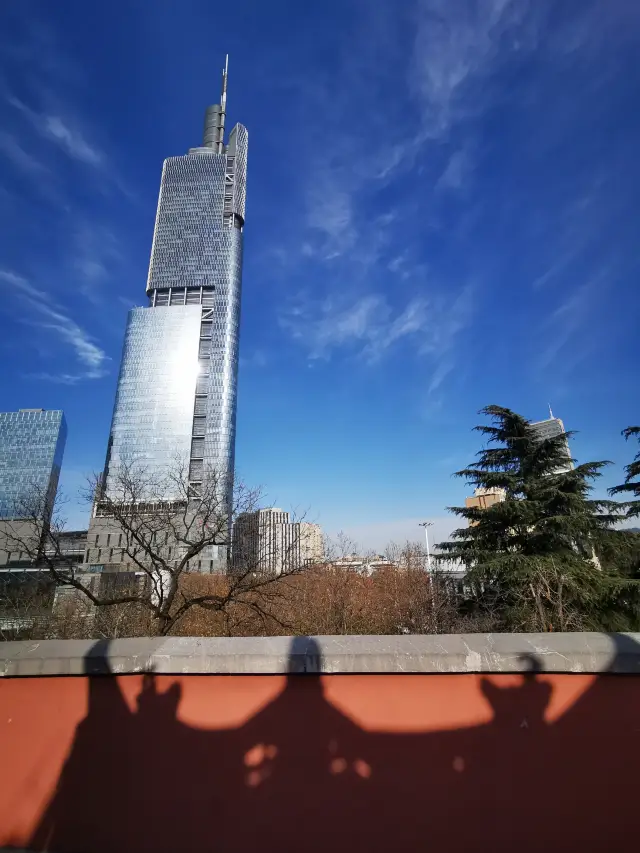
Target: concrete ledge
(453,653)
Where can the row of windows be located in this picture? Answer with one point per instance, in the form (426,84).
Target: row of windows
(204,296)
(96,558)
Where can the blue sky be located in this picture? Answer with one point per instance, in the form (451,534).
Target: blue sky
(442,214)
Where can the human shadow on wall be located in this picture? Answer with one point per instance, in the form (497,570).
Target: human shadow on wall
(300,775)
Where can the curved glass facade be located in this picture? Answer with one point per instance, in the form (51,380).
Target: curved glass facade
(153,413)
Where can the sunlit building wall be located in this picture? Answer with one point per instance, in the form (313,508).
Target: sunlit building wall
(176,397)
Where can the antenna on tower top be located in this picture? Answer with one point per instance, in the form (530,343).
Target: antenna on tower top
(223,104)
(225,73)
(215,116)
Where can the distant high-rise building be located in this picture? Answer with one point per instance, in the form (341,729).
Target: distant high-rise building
(31,449)
(268,541)
(176,396)
(550,428)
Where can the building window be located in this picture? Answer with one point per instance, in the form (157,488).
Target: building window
(108,539)
(196,470)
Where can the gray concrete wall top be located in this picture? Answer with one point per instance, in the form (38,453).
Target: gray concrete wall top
(453,653)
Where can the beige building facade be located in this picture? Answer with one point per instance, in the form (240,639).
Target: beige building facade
(267,540)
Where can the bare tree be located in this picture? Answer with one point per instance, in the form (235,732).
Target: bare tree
(25,604)
(161,526)
(339,548)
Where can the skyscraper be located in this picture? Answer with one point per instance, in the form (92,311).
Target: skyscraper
(31,448)
(550,428)
(176,396)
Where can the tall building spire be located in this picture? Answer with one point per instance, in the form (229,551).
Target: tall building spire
(215,115)
(186,340)
(223,103)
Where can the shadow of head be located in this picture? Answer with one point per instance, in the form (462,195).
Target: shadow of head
(150,700)
(305,656)
(96,660)
(526,701)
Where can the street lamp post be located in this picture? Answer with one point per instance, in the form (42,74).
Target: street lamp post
(427,525)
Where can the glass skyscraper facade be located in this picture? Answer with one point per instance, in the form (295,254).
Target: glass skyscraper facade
(177,388)
(552,428)
(176,396)
(31,448)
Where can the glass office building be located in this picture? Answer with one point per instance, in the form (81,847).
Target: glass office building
(176,396)
(552,428)
(31,448)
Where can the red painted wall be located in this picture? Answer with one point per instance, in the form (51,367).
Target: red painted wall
(340,763)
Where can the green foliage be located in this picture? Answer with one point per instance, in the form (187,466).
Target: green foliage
(531,558)
(620,552)
(631,483)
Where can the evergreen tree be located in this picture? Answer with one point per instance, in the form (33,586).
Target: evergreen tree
(620,552)
(633,474)
(530,558)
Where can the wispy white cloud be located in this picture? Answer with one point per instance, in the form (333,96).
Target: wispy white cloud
(49,101)
(457,47)
(562,324)
(578,326)
(334,323)
(368,327)
(330,213)
(94,255)
(49,316)
(368,142)
(58,130)
(443,345)
(71,141)
(457,172)
(14,151)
